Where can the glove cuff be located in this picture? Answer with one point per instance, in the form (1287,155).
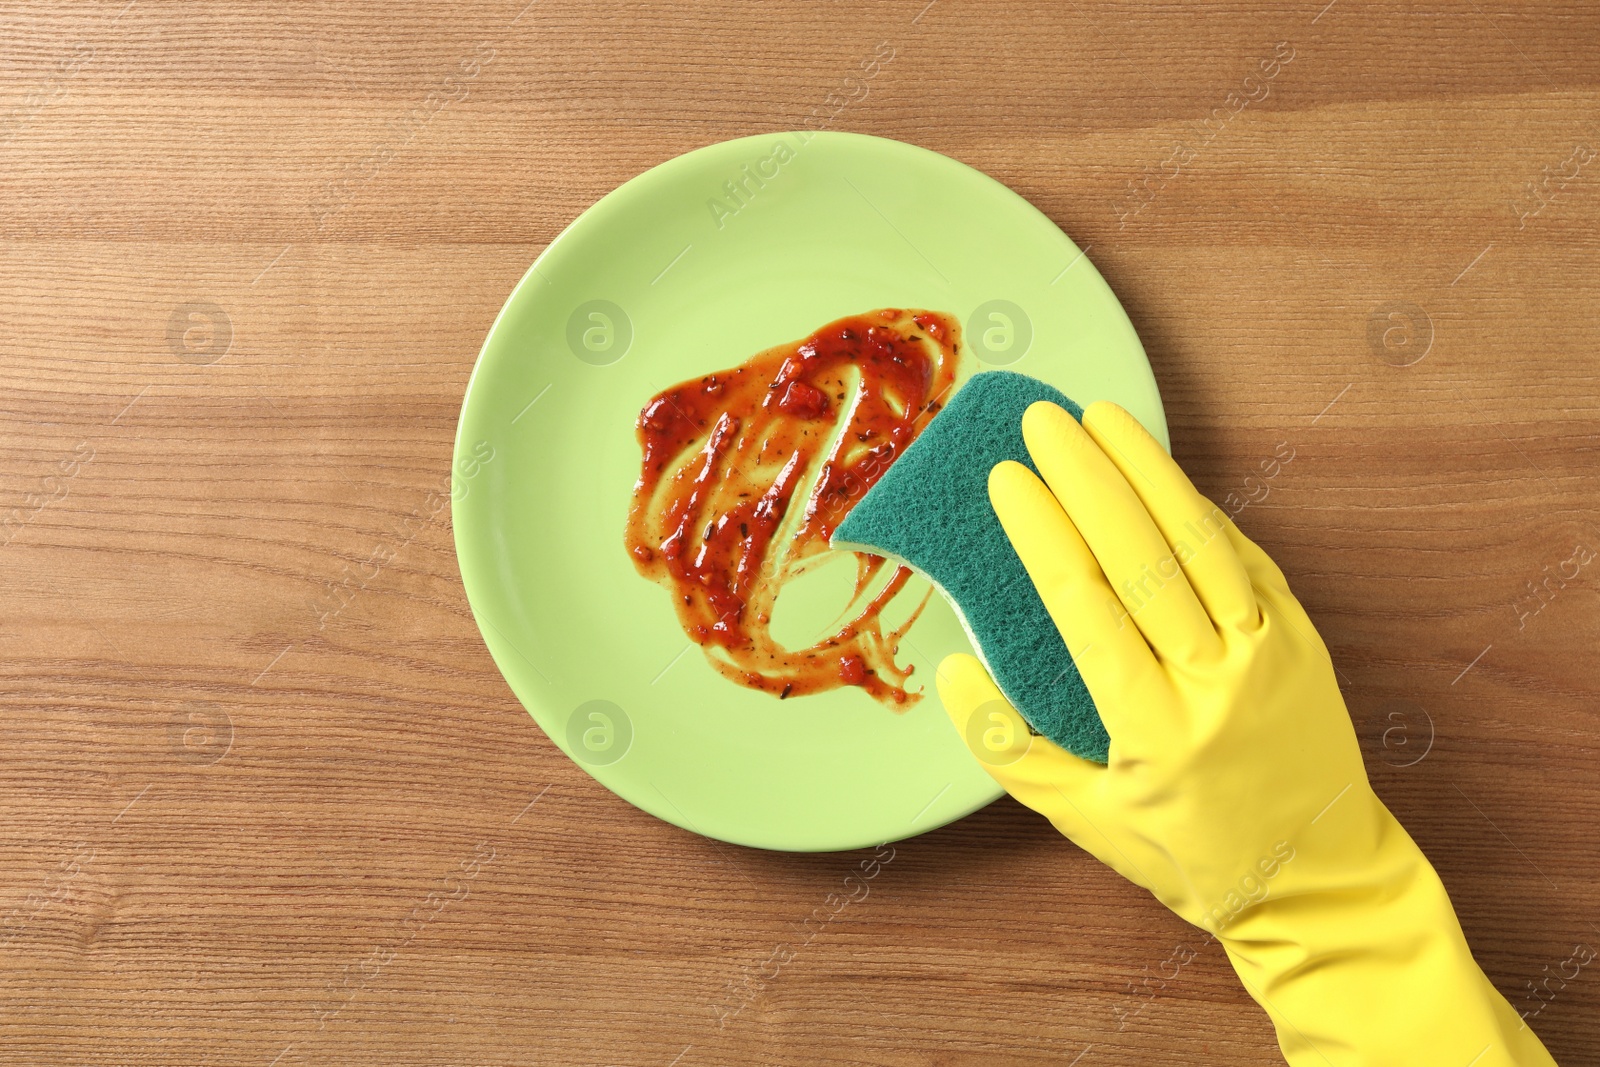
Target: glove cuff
(1356,954)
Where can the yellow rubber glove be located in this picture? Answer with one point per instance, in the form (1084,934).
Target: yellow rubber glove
(1235,791)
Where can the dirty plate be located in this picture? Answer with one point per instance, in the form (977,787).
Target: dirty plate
(694,267)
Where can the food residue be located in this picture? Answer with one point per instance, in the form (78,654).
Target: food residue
(746,473)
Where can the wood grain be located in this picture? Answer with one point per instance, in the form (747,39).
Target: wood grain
(237,833)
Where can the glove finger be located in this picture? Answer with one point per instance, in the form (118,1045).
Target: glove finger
(1031,768)
(1273,593)
(1137,562)
(1261,570)
(1109,651)
(1192,525)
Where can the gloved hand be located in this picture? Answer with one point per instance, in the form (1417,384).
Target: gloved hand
(1235,791)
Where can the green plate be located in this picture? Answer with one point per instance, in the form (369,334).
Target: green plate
(692,267)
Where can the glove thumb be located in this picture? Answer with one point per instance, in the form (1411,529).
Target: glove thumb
(1034,769)
(986,721)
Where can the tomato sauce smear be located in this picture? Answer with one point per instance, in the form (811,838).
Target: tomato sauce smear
(746,473)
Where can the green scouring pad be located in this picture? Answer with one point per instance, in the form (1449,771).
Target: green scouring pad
(931,511)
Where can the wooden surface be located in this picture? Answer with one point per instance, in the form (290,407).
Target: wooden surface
(247,257)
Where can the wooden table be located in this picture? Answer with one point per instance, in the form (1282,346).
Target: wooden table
(249,256)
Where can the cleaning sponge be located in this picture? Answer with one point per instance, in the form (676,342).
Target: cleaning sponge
(931,511)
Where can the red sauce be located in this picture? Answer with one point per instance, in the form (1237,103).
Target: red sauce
(747,472)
